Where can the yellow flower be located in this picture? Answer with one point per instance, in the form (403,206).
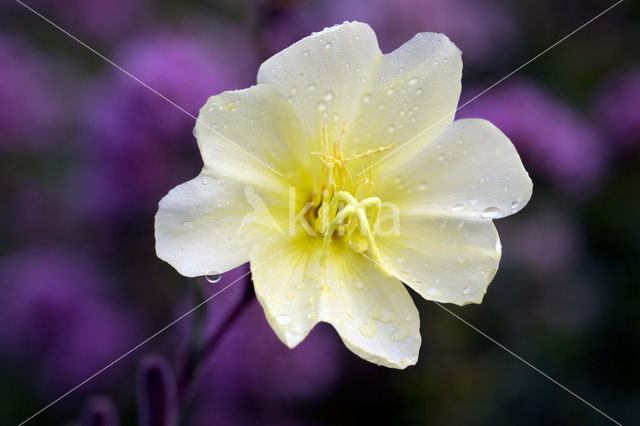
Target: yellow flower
(340,176)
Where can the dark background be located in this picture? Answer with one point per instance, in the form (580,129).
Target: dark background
(86,153)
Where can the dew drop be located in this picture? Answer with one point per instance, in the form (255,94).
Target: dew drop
(358,284)
(400,333)
(205,180)
(391,129)
(283,319)
(322,106)
(461,258)
(328,45)
(515,205)
(457,208)
(473,202)
(466,290)
(381,314)
(366,98)
(414,81)
(329,96)
(213,276)
(368,329)
(433,291)
(491,213)
(311,87)
(311,316)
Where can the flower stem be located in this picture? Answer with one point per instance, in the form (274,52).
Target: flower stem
(200,350)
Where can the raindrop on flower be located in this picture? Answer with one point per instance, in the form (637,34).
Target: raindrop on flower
(283,319)
(491,213)
(213,276)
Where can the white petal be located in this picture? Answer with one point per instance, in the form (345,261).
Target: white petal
(325,75)
(472,170)
(444,259)
(252,136)
(373,313)
(412,98)
(197,224)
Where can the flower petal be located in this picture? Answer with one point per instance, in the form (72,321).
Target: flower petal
(413,95)
(197,224)
(324,76)
(449,260)
(470,171)
(373,313)
(252,136)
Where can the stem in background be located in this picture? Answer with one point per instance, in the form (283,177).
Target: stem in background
(200,350)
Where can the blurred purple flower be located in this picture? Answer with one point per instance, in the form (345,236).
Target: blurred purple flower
(99,411)
(140,144)
(478,27)
(553,139)
(251,364)
(30,105)
(55,314)
(104,20)
(618,107)
(156,392)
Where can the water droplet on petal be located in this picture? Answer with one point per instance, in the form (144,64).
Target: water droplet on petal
(213,276)
(400,333)
(311,316)
(414,81)
(466,290)
(312,87)
(366,98)
(283,319)
(368,329)
(461,258)
(491,213)
(457,208)
(433,291)
(322,106)
(329,96)
(358,284)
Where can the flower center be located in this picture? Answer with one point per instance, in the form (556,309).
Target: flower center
(337,212)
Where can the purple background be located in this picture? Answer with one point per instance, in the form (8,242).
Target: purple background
(86,153)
